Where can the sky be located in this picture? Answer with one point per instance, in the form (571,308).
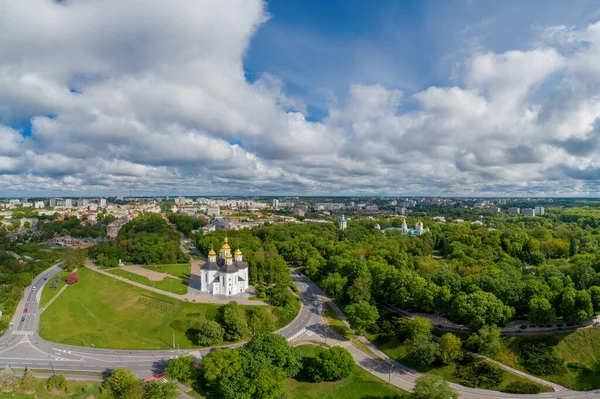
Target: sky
(318,97)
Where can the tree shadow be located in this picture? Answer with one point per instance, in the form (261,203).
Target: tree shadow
(159,366)
(192,335)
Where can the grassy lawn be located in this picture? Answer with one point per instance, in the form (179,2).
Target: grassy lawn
(337,325)
(109,313)
(181,271)
(582,346)
(397,351)
(48,293)
(360,384)
(79,390)
(168,284)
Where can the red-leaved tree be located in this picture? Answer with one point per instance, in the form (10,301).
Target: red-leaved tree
(72,278)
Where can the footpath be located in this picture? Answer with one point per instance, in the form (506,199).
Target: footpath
(185,297)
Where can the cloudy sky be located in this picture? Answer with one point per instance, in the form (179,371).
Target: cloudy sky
(207,97)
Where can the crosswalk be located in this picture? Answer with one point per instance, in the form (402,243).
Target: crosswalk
(22,332)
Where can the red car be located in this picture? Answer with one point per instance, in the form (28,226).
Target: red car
(25,310)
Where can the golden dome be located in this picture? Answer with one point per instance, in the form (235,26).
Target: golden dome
(238,252)
(225,246)
(212,253)
(228,256)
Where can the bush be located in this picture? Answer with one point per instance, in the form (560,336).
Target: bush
(479,374)
(331,365)
(539,358)
(72,278)
(59,382)
(422,350)
(210,333)
(579,367)
(522,387)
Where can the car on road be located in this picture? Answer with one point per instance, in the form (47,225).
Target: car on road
(523,327)
(25,311)
(22,319)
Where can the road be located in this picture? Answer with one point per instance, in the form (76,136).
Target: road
(21,346)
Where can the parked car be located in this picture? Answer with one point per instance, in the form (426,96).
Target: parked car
(25,311)
(23,319)
(523,327)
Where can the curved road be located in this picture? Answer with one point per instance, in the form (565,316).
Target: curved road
(21,346)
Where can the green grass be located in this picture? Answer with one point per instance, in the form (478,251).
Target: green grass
(79,390)
(398,351)
(48,293)
(195,257)
(581,346)
(336,324)
(168,284)
(109,313)
(360,384)
(181,271)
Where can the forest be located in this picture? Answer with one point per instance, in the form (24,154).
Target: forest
(147,239)
(536,268)
(186,224)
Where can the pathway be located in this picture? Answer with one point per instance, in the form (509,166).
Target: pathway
(186,297)
(151,275)
(64,287)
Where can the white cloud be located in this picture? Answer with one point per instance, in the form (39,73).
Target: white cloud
(160,102)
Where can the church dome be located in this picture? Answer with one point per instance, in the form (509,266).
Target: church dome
(212,253)
(238,252)
(225,246)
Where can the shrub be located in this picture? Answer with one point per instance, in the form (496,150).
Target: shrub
(539,358)
(331,365)
(578,366)
(422,350)
(210,333)
(72,278)
(479,374)
(58,382)
(522,387)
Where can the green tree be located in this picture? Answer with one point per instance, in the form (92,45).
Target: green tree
(360,290)
(121,381)
(180,367)
(411,328)
(210,333)
(59,382)
(541,311)
(422,350)
(275,348)
(331,365)
(485,341)
(334,284)
(480,308)
(595,297)
(161,390)
(450,348)
(233,322)
(73,259)
(431,386)
(259,321)
(362,316)
(28,382)
(576,306)
(219,365)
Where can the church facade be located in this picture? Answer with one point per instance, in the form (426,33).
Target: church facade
(227,275)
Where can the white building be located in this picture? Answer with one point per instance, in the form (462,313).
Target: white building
(275,203)
(213,211)
(539,210)
(39,205)
(102,202)
(514,211)
(528,212)
(417,231)
(226,275)
(343,223)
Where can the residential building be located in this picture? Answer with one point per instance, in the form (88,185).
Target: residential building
(528,212)
(514,211)
(38,205)
(539,210)
(213,211)
(275,203)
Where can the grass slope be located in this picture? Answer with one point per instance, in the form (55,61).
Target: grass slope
(360,384)
(181,271)
(397,351)
(108,313)
(168,284)
(582,346)
(48,293)
(79,390)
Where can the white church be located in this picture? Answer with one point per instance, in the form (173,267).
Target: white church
(226,275)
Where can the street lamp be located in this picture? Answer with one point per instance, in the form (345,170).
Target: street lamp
(390,372)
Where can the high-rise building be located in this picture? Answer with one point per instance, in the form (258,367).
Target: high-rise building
(528,212)
(514,211)
(539,210)
(275,203)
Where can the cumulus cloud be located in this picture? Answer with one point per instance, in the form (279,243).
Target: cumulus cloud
(153,95)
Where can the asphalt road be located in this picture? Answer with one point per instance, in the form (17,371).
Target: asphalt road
(22,347)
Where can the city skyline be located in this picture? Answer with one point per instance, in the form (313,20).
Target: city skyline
(252,98)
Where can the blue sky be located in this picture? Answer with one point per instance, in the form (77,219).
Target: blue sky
(446,97)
